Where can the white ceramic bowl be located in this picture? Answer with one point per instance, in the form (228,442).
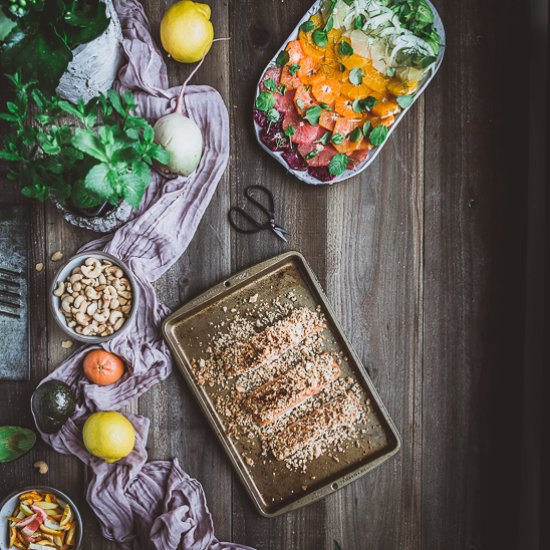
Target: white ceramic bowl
(64,273)
(10,502)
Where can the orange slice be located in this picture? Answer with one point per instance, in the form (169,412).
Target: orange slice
(385,109)
(344,106)
(309,71)
(374,80)
(326,91)
(355,92)
(303,99)
(295,52)
(290,81)
(328,119)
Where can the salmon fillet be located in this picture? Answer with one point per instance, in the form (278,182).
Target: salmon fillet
(340,411)
(280,395)
(272,342)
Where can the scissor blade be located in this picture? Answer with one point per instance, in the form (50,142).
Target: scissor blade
(280,232)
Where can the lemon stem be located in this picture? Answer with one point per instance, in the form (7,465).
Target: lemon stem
(179,103)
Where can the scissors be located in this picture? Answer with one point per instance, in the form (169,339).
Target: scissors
(255,226)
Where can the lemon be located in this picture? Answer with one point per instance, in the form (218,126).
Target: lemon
(109,435)
(186,31)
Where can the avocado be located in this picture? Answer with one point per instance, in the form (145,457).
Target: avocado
(52,404)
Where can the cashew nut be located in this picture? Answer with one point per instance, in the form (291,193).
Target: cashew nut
(101,317)
(76,277)
(82,319)
(114,317)
(92,308)
(78,301)
(60,289)
(125,294)
(102,280)
(119,323)
(89,330)
(66,304)
(92,268)
(115,304)
(91,293)
(41,466)
(126,309)
(77,287)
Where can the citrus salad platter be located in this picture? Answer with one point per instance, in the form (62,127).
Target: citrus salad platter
(330,98)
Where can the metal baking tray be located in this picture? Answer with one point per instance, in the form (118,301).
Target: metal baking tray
(303,175)
(273,488)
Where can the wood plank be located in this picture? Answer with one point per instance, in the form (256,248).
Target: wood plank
(180,428)
(260,33)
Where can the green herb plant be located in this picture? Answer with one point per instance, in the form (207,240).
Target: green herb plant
(39,35)
(82,154)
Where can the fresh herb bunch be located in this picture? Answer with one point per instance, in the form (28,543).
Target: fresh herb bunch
(41,34)
(84,154)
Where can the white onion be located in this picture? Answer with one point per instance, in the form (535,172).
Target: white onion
(182,138)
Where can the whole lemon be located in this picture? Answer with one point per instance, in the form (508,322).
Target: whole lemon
(186,31)
(109,435)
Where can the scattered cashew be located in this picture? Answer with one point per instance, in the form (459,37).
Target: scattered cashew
(56,256)
(41,466)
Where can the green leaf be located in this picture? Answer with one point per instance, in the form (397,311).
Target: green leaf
(361,105)
(15,442)
(338,164)
(329,24)
(405,100)
(337,139)
(307,26)
(355,135)
(282,59)
(358,22)
(82,198)
(325,106)
(356,76)
(273,115)
(87,142)
(270,85)
(8,118)
(39,57)
(366,128)
(378,135)
(293,69)
(344,48)
(6,25)
(325,138)
(320,38)
(7,155)
(311,154)
(312,114)
(265,101)
(116,102)
(135,183)
(100,181)
(390,71)
(290,131)
(84,21)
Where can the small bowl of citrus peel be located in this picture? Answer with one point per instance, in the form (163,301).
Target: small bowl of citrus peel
(40,518)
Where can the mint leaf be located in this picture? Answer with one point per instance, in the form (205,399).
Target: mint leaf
(134,182)
(358,22)
(344,48)
(312,114)
(265,101)
(307,26)
(311,154)
(87,142)
(325,138)
(320,38)
(329,24)
(273,115)
(290,131)
(282,59)
(325,106)
(405,100)
(99,181)
(270,85)
(293,69)
(355,135)
(338,164)
(356,76)
(378,135)
(366,128)
(337,139)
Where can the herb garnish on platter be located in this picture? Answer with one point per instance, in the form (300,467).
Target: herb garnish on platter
(85,154)
(41,35)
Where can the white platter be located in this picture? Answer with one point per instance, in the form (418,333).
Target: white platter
(303,175)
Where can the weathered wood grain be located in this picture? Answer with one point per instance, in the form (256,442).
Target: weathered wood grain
(420,256)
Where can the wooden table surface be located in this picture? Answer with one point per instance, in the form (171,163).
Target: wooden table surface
(421,257)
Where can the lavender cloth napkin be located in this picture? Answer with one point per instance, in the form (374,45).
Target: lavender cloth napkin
(149,505)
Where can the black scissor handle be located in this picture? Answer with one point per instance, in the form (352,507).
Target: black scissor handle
(256,227)
(269,210)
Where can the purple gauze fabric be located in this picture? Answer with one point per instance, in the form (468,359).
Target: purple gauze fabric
(149,505)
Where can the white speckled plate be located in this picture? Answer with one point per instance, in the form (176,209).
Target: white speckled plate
(303,175)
